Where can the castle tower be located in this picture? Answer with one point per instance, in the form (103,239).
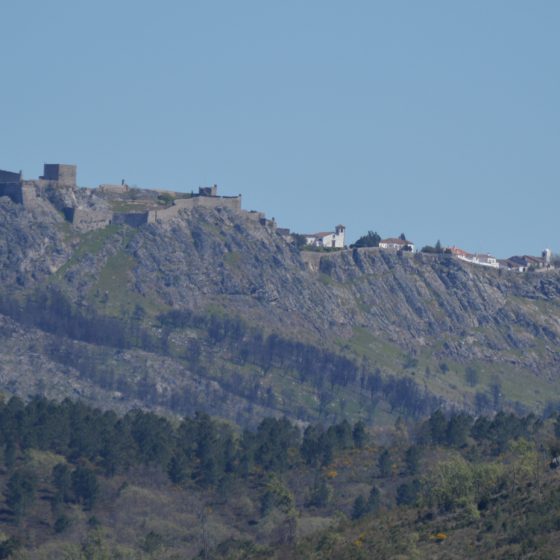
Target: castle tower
(61,173)
(547,256)
(208,191)
(339,232)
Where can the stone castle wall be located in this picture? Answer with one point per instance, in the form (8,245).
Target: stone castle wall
(87,219)
(12,190)
(29,193)
(232,202)
(9,177)
(132,219)
(61,173)
(115,189)
(255,216)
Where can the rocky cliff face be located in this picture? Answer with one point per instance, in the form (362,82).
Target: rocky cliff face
(471,336)
(32,244)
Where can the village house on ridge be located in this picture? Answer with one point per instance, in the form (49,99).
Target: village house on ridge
(94,208)
(327,239)
(397,244)
(482,259)
(516,263)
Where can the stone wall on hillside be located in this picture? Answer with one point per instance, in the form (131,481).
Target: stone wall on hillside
(13,191)
(60,173)
(87,219)
(9,177)
(132,219)
(231,202)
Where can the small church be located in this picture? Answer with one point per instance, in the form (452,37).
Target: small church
(327,239)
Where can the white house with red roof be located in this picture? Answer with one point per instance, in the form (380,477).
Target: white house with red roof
(482,259)
(396,244)
(328,239)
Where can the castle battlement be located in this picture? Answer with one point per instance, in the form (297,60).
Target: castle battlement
(61,173)
(22,191)
(109,203)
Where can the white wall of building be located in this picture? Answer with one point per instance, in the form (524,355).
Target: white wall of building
(334,239)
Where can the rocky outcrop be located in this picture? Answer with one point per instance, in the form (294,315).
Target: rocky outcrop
(32,244)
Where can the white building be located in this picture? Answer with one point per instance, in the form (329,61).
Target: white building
(485,260)
(528,262)
(396,244)
(330,239)
(482,259)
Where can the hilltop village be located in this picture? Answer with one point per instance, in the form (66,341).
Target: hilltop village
(95,208)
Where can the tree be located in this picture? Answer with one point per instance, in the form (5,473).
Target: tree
(557,427)
(277,495)
(359,509)
(10,455)
(384,464)
(320,494)
(438,427)
(412,459)
(152,542)
(482,402)
(20,492)
(310,446)
(402,237)
(177,469)
(471,376)
(458,429)
(437,249)
(207,449)
(343,437)
(299,240)
(8,547)
(443,367)
(274,439)
(371,239)
(62,481)
(153,436)
(449,483)
(373,499)
(62,523)
(359,434)
(407,493)
(85,486)
(496,390)
(410,362)
(362,506)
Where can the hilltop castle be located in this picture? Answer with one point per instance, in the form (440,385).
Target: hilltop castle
(108,204)
(23,192)
(95,208)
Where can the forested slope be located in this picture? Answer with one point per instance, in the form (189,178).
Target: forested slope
(80,483)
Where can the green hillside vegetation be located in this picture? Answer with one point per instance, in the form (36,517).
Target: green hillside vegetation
(365,378)
(214,311)
(291,377)
(80,483)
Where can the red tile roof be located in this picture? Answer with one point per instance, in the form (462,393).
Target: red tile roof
(459,252)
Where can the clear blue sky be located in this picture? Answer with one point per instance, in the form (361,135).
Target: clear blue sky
(437,118)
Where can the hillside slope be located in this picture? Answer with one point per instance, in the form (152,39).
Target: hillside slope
(215,311)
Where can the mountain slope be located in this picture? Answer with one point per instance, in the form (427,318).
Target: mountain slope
(213,310)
